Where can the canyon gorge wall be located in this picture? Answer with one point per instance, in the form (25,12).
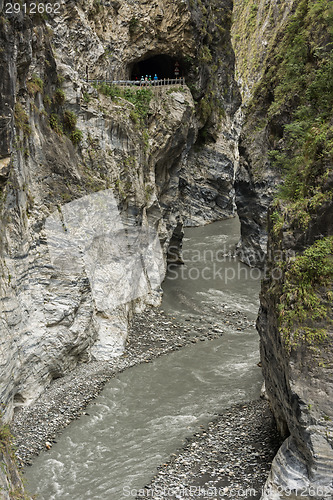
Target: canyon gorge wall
(286,173)
(64,139)
(168,157)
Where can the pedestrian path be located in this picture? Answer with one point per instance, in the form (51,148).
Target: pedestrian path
(141,83)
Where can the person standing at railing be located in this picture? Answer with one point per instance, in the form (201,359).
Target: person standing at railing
(177,69)
(155,79)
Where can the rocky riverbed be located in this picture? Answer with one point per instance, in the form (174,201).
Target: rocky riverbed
(236,449)
(152,334)
(230,458)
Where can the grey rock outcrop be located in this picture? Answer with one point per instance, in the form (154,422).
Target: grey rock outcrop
(254,193)
(255,31)
(298,378)
(299,385)
(207,179)
(62,140)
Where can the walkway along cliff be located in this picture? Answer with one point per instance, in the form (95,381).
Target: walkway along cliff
(170,160)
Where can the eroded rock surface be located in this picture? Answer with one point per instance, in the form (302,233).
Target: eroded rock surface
(297,367)
(299,387)
(64,140)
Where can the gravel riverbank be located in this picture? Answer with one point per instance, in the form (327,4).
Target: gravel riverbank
(152,334)
(230,458)
(232,452)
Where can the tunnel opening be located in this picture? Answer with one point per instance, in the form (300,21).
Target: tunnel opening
(163,66)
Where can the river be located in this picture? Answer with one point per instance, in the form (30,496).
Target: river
(145,413)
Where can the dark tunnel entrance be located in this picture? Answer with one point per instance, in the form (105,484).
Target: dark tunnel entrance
(162,65)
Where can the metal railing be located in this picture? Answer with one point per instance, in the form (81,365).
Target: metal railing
(141,83)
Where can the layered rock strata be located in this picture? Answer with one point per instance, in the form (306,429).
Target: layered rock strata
(65,139)
(256,29)
(285,153)
(298,384)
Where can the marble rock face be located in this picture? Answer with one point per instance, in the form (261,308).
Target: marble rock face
(90,185)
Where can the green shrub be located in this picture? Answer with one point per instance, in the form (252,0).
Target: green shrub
(47,100)
(278,222)
(108,90)
(7,448)
(70,120)
(35,85)
(134,116)
(206,107)
(55,124)
(59,97)
(5,436)
(76,136)
(306,299)
(205,56)
(133,25)
(22,119)
(60,80)
(86,97)
(139,97)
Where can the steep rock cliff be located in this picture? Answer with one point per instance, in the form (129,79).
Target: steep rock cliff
(10,479)
(256,29)
(62,139)
(286,153)
(168,157)
(296,353)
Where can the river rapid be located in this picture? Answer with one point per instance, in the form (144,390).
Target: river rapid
(145,413)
